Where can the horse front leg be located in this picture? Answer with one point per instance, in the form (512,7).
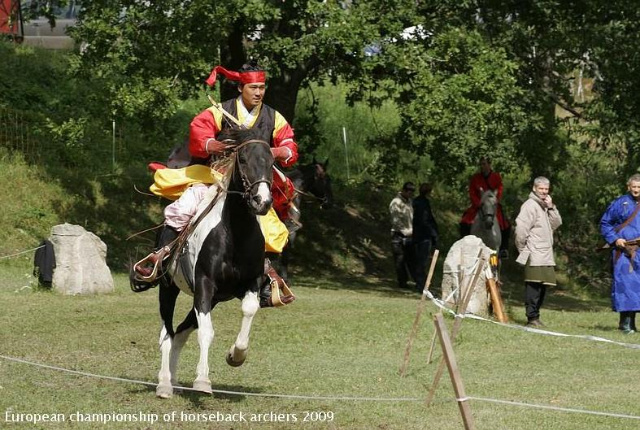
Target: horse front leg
(202,306)
(238,352)
(164,389)
(166,376)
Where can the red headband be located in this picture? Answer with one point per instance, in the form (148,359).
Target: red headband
(248,77)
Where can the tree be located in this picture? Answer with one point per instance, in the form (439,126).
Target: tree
(151,53)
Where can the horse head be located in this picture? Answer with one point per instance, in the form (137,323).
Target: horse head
(252,170)
(488,208)
(318,182)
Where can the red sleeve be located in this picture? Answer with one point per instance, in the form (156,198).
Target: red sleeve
(202,128)
(474,190)
(284,137)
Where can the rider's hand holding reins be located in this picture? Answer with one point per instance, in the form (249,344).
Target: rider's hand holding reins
(281,153)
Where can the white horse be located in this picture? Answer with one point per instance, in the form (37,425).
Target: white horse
(485,225)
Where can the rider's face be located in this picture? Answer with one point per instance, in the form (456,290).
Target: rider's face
(485,166)
(252,94)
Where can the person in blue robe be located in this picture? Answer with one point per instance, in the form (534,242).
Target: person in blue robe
(620,225)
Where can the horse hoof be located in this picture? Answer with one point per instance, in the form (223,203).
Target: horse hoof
(231,362)
(164,391)
(203,386)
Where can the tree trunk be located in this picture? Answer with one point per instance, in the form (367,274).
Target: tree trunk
(282,94)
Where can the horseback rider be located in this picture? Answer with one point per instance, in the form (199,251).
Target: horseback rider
(250,112)
(486,179)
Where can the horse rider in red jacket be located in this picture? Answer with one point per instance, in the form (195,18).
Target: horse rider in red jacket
(249,110)
(486,179)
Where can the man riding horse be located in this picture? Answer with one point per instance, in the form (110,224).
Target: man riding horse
(245,111)
(486,179)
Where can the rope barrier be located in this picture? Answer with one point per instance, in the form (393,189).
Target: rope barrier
(235,393)
(553,408)
(22,252)
(302,397)
(440,304)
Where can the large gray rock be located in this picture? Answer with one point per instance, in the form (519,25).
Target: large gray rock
(459,269)
(81,266)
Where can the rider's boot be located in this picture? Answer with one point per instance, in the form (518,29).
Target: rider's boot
(274,290)
(144,274)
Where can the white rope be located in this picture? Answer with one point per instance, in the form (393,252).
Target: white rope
(441,305)
(553,408)
(301,397)
(22,252)
(236,393)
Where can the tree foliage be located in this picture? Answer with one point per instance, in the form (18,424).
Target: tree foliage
(471,78)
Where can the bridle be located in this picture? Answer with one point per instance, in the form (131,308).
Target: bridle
(246,183)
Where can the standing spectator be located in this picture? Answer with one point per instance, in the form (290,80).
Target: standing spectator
(535,224)
(618,225)
(486,179)
(425,233)
(401,211)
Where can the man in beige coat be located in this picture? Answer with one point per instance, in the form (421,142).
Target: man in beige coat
(401,212)
(536,222)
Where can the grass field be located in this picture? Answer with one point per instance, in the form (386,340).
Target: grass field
(329,361)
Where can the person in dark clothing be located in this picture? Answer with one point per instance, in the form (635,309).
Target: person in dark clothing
(425,233)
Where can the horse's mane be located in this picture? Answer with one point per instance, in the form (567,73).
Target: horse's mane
(236,136)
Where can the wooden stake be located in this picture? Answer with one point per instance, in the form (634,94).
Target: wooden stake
(457,324)
(414,329)
(454,372)
(432,346)
(460,283)
(496,301)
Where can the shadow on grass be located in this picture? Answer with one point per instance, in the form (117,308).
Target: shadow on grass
(232,393)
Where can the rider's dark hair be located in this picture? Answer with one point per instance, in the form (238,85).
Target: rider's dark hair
(251,66)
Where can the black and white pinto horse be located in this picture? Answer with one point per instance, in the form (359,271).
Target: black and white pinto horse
(311,181)
(485,225)
(222,259)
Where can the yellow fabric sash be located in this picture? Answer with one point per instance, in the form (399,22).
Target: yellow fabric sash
(171,183)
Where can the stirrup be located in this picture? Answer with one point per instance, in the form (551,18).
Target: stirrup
(292,225)
(138,286)
(155,259)
(281,294)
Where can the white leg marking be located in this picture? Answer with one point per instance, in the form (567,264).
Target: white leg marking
(238,351)
(164,388)
(205,338)
(176,348)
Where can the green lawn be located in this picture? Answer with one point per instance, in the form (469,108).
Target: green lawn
(329,361)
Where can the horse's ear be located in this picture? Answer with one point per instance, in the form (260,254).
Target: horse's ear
(326,163)
(314,162)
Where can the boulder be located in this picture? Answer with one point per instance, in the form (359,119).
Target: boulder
(459,269)
(81,266)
